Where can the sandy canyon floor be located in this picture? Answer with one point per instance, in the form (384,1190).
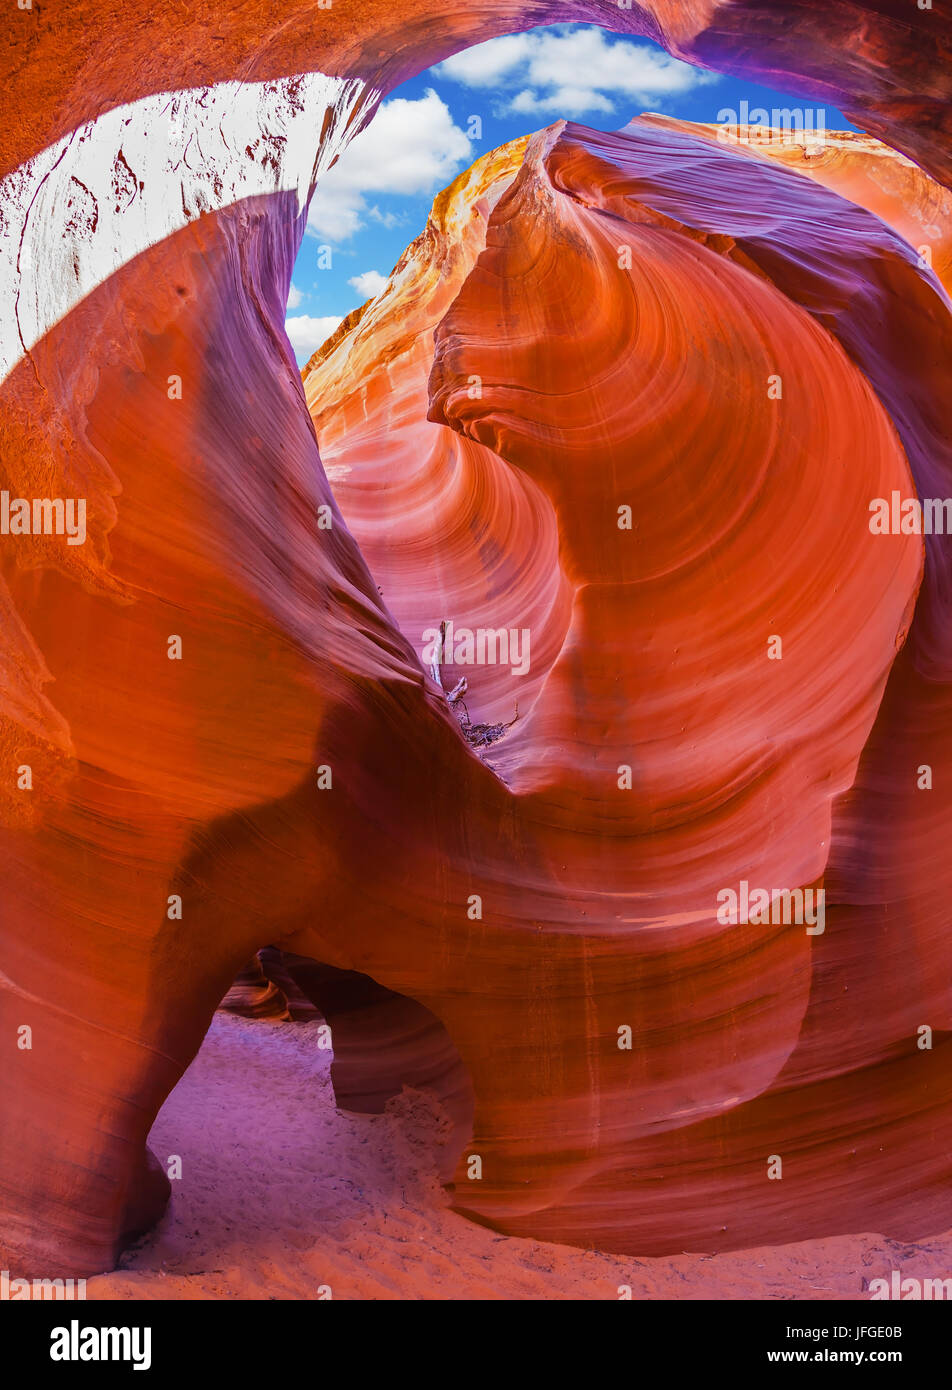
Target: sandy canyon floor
(281,1194)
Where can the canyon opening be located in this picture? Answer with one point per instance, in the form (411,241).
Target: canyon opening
(438,455)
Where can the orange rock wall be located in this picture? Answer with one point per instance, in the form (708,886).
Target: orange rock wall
(189,786)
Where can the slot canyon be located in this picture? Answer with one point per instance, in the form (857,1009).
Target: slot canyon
(628,394)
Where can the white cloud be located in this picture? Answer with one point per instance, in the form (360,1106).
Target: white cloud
(410,148)
(487,63)
(294,297)
(334,214)
(369,284)
(307,334)
(386,219)
(569,71)
(564,101)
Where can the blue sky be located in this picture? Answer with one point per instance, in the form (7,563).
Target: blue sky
(375,200)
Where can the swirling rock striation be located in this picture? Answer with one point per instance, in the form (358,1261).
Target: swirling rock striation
(615,314)
(634,303)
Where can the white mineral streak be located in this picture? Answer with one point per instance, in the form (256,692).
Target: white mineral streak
(81,209)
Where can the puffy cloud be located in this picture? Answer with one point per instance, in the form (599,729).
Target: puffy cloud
(564,101)
(568,71)
(294,297)
(487,64)
(307,334)
(386,219)
(334,215)
(369,284)
(409,148)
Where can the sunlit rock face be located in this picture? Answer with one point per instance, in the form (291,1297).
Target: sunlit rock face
(624,311)
(218,733)
(859,168)
(460,536)
(884,61)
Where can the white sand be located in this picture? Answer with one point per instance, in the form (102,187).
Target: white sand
(281,1194)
